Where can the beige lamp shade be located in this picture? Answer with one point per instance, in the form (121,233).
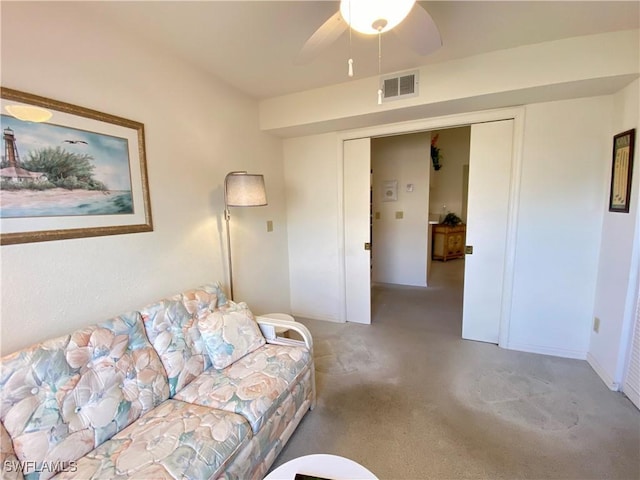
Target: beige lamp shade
(245,190)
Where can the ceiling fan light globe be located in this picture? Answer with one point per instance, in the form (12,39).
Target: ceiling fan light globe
(364,16)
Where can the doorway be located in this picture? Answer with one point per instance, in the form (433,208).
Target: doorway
(491,180)
(400,204)
(417,179)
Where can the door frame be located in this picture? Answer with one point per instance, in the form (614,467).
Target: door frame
(517,114)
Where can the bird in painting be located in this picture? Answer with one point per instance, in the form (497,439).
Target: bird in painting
(73,142)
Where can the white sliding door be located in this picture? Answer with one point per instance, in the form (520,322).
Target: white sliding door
(357,191)
(490,162)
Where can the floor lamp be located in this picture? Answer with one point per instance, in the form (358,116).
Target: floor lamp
(241,189)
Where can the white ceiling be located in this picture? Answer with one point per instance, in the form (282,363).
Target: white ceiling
(252,44)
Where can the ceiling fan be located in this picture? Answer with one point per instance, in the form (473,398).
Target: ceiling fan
(407,18)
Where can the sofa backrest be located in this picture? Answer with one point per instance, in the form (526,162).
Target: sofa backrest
(172,327)
(63,397)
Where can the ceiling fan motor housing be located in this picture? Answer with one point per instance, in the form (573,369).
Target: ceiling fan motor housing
(372,17)
(379,24)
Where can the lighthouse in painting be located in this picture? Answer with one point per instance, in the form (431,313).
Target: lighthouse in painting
(14,172)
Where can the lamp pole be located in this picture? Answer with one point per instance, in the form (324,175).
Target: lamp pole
(227,217)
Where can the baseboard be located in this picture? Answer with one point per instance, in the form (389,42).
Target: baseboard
(556,352)
(606,378)
(632,394)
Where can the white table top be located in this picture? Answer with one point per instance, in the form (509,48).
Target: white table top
(331,467)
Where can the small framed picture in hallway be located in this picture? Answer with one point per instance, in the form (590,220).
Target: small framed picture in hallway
(390,191)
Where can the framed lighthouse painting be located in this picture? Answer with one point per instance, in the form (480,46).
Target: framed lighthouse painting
(69,172)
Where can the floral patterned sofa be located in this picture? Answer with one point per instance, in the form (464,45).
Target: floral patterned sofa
(188,387)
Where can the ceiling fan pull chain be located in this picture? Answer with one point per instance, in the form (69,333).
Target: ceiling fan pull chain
(350,53)
(380,65)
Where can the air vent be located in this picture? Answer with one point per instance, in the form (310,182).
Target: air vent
(391,87)
(398,86)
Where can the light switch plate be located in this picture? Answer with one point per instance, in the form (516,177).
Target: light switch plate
(269,225)
(399,215)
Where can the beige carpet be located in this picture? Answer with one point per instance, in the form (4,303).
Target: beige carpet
(409,399)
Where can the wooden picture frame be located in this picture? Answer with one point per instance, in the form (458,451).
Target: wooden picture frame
(81,173)
(621,171)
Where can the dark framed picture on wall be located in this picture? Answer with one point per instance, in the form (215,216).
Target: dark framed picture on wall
(69,172)
(621,171)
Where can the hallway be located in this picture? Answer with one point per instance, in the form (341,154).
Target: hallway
(437,308)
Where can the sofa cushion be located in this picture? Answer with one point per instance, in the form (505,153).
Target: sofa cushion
(254,386)
(254,462)
(64,396)
(229,333)
(175,440)
(171,326)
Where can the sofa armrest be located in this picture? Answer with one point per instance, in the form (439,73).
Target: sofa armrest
(268,326)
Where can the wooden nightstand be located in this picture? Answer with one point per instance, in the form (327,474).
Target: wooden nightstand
(448,242)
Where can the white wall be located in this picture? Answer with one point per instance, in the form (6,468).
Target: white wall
(618,266)
(446,193)
(197,129)
(311,177)
(566,150)
(400,245)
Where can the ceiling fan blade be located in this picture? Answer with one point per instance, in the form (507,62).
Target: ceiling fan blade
(419,31)
(328,33)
